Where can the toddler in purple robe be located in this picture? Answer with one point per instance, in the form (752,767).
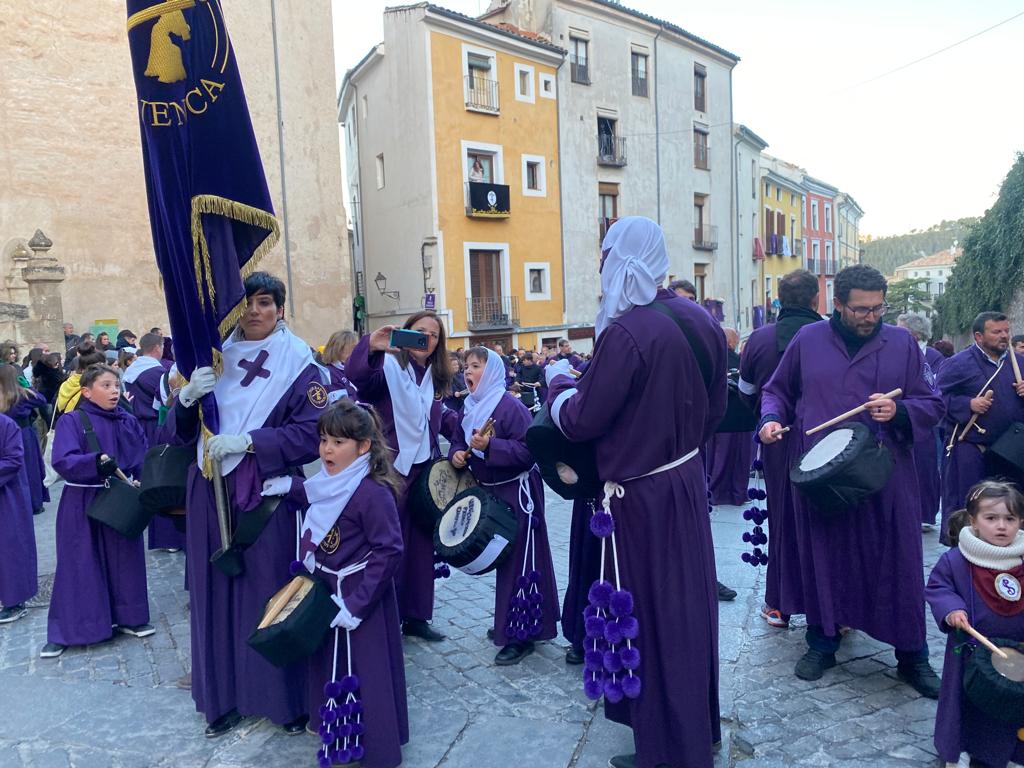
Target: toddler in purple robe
(978,584)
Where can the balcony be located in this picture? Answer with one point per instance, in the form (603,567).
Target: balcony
(481,94)
(705,238)
(611,150)
(579,70)
(496,313)
(487,201)
(812,265)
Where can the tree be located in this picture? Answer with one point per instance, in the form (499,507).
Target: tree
(905,296)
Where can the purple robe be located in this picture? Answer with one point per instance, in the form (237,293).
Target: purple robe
(860,568)
(959,726)
(18,569)
(645,405)
(727,456)
(507,458)
(961,378)
(101,576)
(926,455)
(415,578)
(368,524)
(35,467)
(340,382)
(584,568)
(226,673)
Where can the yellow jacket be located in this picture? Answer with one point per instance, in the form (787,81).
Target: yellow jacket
(69,393)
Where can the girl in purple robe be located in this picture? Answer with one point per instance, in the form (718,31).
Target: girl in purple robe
(978,584)
(503,464)
(351,539)
(100,581)
(19,403)
(406,386)
(18,574)
(335,353)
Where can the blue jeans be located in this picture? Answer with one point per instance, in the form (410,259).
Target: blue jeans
(817,640)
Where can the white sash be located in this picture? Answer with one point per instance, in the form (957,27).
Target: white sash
(411,404)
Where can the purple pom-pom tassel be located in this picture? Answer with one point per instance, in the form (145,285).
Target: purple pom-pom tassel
(600,593)
(330,716)
(357,753)
(349,683)
(295,567)
(593,689)
(612,691)
(612,632)
(344,756)
(631,686)
(630,657)
(323,762)
(612,661)
(620,603)
(332,690)
(629,627)
(594,626)
(602,525)
(593,661)
(758,465)
(327,738)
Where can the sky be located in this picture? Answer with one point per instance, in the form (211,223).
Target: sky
(929,142)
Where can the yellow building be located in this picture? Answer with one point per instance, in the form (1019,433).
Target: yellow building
(452,124)
(781,234)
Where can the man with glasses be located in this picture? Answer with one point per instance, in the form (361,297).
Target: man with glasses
(861,567)
(964,380)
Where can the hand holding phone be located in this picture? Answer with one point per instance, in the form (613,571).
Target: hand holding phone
(403,338)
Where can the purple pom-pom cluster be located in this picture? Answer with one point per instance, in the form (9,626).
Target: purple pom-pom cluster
(525,618)
(341,724)
(441,569)
(601,524)
(610,660)
(757,515)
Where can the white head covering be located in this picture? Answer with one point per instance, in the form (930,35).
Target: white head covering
(328,495)
(636,265)
(485,398)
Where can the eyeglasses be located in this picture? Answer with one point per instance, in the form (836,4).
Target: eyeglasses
(861,313)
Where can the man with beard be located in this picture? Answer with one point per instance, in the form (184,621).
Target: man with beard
(860,567)
(964,380)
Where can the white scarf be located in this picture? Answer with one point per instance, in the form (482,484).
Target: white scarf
(140,366)
(245,408)
(636,265)
(985,555)
(485,398)
(328,495)
(411,404)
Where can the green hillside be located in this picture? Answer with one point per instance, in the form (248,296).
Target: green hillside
(887,253)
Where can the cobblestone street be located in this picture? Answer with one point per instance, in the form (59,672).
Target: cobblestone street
(122,703)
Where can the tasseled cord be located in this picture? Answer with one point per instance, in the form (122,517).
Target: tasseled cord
(610,661)
(757,515)
(525,618)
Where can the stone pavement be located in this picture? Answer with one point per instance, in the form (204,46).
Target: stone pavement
(122,703)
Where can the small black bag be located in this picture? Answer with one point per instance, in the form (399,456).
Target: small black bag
(116,505)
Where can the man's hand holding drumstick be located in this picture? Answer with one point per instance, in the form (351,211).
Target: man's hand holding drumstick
(881,408)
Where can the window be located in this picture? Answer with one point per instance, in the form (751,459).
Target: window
(830,267)
(547,85)
(534,181)
(767,189)
(700,76)
(778,194)
(481,83)
(828,217)
(705,236)
(380,171)
(700,147)
(638,67)
(579,61)
(608,205)
(768,289)
(753,179)
(814,215)
(485,274)
(365,107)
(491,162)
(480,167)
(828,293)
(792,229)
(792,200)
(355,218)
(699,278)
(815,254)
(538,281)
(524,83)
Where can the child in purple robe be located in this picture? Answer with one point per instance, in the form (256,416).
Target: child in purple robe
(351,539)
(335,353)
(18,574)
(978,584)
(502,462)
(100,583)
(20,404)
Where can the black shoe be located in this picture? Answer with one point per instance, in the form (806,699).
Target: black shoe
(812,665)
(296,726)
(223,724)
(419,628)
(513,653)
(921,677)
(574,656)
(38,511)
(622,761)
(52,650)
(490,634)
(725,594)
(141,630)
(12,613)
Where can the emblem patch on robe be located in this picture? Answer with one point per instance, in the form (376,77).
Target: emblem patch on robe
(331,541)
(317,395)
(1008,587)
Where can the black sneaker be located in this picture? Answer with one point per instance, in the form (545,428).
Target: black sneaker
(52,650)
(223,724)
(921,677)
(490,633)
(513,653)
(725,594)
(140,630)
(574,656)
(296,726)
(622,761)
(419,628)
(812,665)
(12,613)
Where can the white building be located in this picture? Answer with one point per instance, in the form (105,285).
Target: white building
(930,273)
(747,187)
(645,128)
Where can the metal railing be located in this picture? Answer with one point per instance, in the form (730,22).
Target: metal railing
(706,237)
(579,70)
(481,93)
(492,313)
(611,150)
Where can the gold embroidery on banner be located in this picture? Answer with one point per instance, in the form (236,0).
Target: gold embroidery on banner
(165,60)
(159,9)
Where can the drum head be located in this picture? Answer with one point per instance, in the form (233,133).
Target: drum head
(459,521)
(477,532)
(446,482)
(826,449)
(996,686)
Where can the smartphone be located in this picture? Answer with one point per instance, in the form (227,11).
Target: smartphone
(401,337)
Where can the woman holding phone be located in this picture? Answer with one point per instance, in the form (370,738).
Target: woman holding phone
(405,383)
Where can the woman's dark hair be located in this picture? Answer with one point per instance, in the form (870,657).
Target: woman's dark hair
(440,365)
(859,277)
(798,289)
(978,326)
(11,390)
(945,347)
(87,356)
(479,353)
(94,372)
(347,419)
(34,355)
(264,282)
(986,489)
(125,357)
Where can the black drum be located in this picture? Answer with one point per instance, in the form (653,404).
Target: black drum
(117,506)
(164,475)
(843,468)
(434,490)
(739,417)
(295,621)
(1005,457)
(568,468)
(476,532)
(995,685)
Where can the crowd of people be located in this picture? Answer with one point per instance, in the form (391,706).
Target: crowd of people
(640,613)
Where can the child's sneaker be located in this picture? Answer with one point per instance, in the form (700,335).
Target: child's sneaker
(142,630)
(774,617)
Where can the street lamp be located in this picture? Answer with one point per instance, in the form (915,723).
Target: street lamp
(382,282)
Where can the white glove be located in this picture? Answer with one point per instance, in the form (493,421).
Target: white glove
(277,486)
(221,446)
(344,619)
(202,383)
(557,368)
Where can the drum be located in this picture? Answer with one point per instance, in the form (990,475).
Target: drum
(434,490)
(164,475)
(738,415)
(1005,457)
(295,621)
(843,468)
(995,685)
(476,532)
(569,469)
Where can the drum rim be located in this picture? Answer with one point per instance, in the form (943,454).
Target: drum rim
(821,474)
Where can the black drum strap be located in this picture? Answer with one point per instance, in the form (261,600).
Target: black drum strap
(91,441)
(694,343)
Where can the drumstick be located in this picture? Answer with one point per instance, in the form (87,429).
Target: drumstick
(852,412)
(462,393)
(778,432)
(1016,366)
(280,602)
(974,421)
(575,373)
(986,642)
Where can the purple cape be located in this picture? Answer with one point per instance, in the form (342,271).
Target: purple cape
(18,570)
